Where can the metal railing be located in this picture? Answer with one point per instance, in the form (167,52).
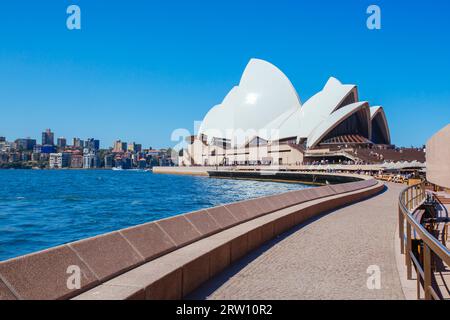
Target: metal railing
(429,248)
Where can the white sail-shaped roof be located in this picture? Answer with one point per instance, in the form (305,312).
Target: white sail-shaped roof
(377,114)
(266,105)
(336,118)
(281,126)
(321,105)
(263,95)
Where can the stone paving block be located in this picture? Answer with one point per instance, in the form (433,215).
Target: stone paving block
(297,198)
(168,287)
(239,247)
(107,255)
(254,239)
(195,273)
(311,211)
(310,194)
(300,196)
(239,211)
(300,216)
(203,222)
(276,202)
(266,205)
(267,232)
(222,216)
(255,208)
(346,187)
(180,230)
(328,205)
(283,224)
(220,258)
(288,199)
(325,191)
(43,275)
(149,240)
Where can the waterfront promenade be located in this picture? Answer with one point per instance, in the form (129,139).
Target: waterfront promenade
(326,258)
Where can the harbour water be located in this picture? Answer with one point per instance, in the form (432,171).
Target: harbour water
(44,208)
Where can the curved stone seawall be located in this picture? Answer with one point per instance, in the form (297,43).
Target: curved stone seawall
(303,177)
(168,258)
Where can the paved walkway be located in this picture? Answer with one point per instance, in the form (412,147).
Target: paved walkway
(326,258)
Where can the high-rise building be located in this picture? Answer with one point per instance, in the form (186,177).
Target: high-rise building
(25,144)
(48,138)
(120,146)
(2,139)
(92,144)
(117,146)
(61,142)
(78,143)
(59,160)
(134,147)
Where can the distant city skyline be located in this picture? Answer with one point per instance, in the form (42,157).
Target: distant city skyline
(138,71)
(48,137)
(30,153)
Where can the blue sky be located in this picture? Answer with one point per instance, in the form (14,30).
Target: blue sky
(140,69)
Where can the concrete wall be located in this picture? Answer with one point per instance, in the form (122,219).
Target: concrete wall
(168,258)
(438,158)
(193,171)
(317,178)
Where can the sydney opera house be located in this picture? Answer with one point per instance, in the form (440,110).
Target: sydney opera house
(262,121)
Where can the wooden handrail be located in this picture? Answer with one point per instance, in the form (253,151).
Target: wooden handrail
(409,200)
